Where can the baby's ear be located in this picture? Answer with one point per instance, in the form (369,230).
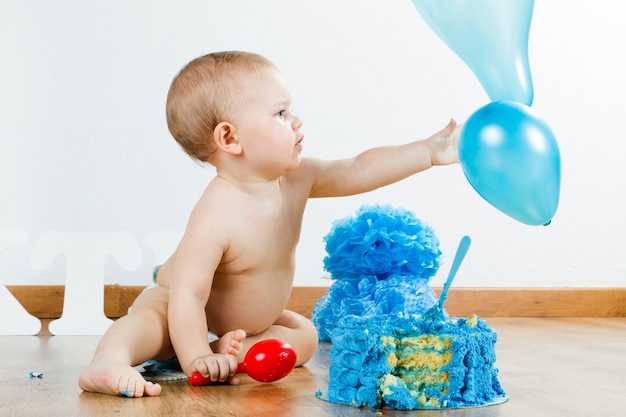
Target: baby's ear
(225,140)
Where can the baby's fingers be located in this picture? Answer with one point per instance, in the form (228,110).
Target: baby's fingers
(449,129)
(216,367)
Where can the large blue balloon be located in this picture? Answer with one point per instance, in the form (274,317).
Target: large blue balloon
(491,36)
(511,158)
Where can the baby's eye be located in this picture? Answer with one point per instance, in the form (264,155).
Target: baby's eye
(281,113)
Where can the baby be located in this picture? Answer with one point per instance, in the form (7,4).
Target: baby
(232,272)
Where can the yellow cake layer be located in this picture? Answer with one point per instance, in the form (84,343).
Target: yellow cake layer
(427,351)
(427,342)
(424,377)
(424,400)
(418,362)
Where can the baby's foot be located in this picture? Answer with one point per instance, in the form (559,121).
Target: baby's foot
(116,380)
(230,343)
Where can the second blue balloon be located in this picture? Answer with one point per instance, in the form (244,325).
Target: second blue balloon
(511,158)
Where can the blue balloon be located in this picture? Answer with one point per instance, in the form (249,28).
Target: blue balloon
(491,36)
(511,158)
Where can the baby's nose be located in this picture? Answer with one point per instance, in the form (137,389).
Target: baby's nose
(297,123)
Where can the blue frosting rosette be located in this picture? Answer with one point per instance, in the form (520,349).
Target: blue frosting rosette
(381,261)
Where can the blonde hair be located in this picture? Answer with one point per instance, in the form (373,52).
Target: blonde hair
(202,94)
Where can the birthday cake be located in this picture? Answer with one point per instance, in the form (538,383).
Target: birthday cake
(393,346)
(406,362)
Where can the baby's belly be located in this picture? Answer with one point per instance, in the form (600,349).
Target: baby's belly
(254,312)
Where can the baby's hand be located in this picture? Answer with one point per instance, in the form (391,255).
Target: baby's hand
(217,367)
(444,145)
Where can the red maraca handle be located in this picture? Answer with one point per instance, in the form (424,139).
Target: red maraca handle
(266,361)
(198,380)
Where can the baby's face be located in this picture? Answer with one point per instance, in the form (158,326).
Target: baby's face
(265,125)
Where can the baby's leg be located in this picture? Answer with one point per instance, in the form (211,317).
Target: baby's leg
(292,328)
(131,340)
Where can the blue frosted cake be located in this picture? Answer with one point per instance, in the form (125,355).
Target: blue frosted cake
(393,345)
(407,362)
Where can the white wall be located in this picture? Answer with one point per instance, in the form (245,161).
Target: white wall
(84,146)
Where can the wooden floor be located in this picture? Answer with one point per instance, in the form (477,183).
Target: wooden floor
(548,367)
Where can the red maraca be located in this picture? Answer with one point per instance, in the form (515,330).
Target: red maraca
(266,361)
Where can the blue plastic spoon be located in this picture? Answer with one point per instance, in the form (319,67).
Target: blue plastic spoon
(436,311)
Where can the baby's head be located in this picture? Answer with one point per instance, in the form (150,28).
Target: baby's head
(204,93)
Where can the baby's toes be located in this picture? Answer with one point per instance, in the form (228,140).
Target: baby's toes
(129,388)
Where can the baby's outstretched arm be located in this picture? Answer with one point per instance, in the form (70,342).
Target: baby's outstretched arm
(377,167)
